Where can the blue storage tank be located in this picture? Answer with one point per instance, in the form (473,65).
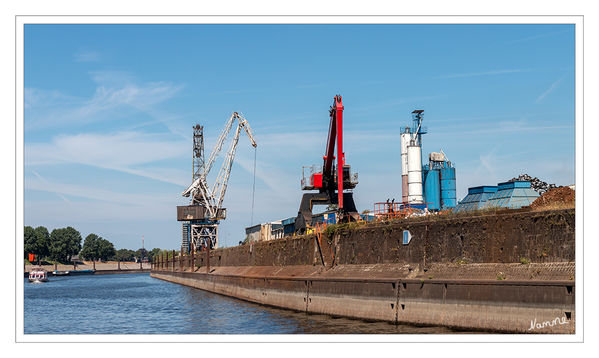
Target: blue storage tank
(448,193)
(432,191)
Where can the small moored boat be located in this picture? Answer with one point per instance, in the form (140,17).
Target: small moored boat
(61,273)
(38,274)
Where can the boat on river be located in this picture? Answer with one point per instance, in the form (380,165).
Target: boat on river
(38,275)
(61,273)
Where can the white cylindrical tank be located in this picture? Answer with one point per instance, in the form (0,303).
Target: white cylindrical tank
(404,140)
(415,174)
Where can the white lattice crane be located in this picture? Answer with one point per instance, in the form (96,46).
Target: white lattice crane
(206,209)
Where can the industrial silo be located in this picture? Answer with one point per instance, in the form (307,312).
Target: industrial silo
(432,191)
(448,194)
(411,160)
(439,182)
(404,141)
(414,174)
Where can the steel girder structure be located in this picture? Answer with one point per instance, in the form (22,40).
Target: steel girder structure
(206,229)
(203,234)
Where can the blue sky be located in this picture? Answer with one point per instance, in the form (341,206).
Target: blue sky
(109,111)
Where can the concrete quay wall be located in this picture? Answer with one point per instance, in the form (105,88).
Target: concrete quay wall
(488,305)
(500,272)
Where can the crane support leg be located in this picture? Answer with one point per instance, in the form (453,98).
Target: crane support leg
(204,233)
(304,215)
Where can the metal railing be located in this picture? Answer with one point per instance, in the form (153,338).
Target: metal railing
(384,211)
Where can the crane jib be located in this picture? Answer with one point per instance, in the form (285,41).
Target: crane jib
(199,190)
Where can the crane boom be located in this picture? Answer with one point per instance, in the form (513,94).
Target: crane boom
(222,180)
(217,148)
(330,182)
(220,141)
(202,217)
(199,190)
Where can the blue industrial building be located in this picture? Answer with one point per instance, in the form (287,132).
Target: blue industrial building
(511,195)
(439,183)
(476,199)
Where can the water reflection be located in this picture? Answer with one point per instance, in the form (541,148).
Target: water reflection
(139,304)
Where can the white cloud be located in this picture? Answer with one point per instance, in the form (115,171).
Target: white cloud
(44,181)
(127,152)
(550,89)
(43,98)
(97,194)
(116,95)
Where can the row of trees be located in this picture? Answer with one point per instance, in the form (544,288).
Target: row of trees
(59,245)
(96,248)
(130,255)
(62,244)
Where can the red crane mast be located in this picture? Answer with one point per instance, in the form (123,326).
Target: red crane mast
(335,129)
(327,181)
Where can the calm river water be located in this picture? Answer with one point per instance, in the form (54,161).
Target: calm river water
(139,304)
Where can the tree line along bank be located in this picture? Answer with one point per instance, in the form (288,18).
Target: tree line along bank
(61,245)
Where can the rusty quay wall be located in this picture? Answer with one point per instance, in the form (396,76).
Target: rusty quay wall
(499,238)
(505,272)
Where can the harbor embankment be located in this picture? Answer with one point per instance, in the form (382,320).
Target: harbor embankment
(504,272)
(98,268)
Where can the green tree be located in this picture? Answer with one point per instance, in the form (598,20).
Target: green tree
(141,253)
(36,241)
(90,247)
(125,255)
(155,251)
(29,240)
(64,243)
(96,248)
(106,249)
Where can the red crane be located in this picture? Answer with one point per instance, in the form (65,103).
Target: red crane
(327,180)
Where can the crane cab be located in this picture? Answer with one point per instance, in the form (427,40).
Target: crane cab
(313,179)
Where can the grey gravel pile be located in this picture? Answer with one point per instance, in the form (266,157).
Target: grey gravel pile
(535,183)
